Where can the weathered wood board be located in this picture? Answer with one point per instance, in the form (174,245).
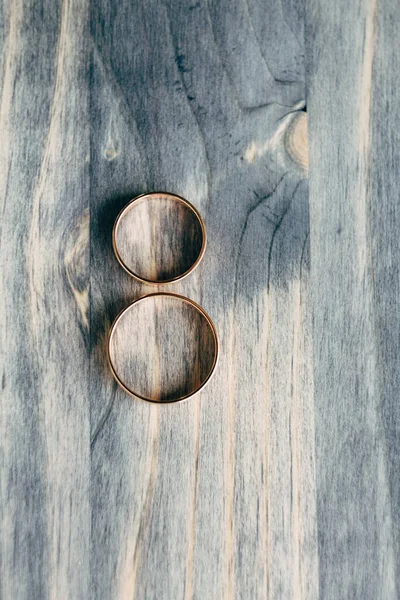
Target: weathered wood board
(44,182)
(354,149)
(280,479)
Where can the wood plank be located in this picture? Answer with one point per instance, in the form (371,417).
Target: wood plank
(354,148)
(44,157)
(214,498)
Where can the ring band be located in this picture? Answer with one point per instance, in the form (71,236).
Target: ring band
(210,372)
(164,196)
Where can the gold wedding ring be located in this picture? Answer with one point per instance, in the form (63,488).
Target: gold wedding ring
(213,356)
(151,197)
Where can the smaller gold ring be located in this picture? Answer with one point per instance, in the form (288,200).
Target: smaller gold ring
(165,196)
(211,371)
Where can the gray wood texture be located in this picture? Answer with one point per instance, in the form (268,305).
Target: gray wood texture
(280,480)
(44,181)
(355,224)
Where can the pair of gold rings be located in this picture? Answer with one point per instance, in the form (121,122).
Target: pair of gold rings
(149,260)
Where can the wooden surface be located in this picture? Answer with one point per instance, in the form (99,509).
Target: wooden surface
(355,219)
(280,480)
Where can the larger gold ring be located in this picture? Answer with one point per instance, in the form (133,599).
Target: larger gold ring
(207,375)
(152,196)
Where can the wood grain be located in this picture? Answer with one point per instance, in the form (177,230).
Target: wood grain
(354,281)
(44,157)
(215,498)
(280,480)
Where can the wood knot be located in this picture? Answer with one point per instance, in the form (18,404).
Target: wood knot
(296,140)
